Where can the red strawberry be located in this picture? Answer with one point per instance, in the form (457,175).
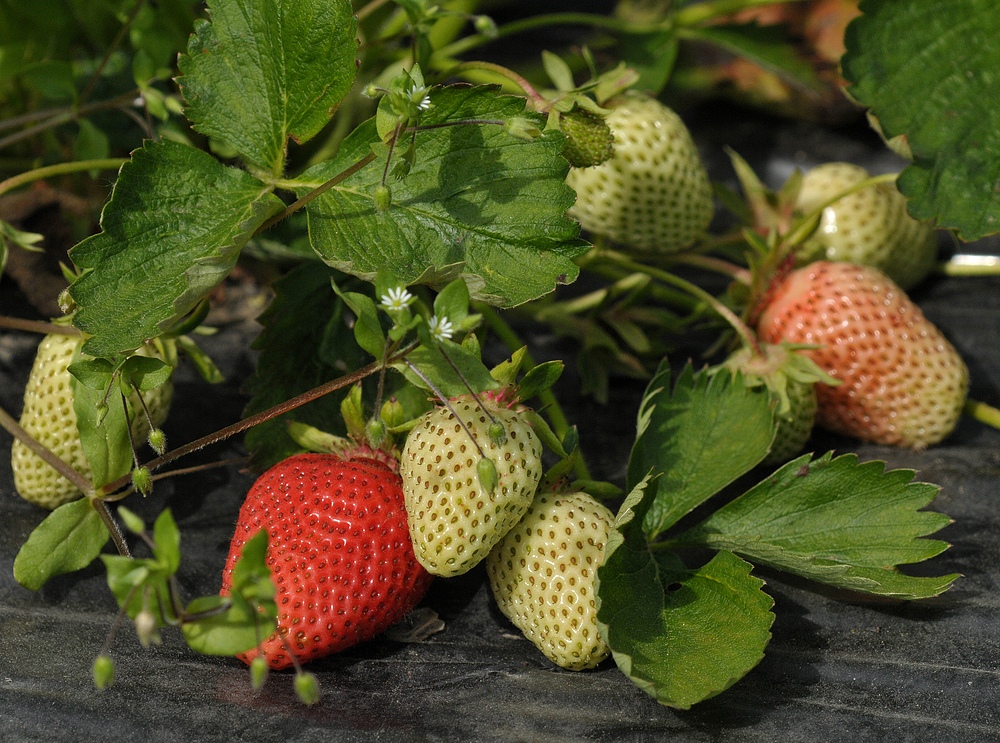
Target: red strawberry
(904,384)
(339,551)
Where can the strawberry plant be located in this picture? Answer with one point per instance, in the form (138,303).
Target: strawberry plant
(413,209)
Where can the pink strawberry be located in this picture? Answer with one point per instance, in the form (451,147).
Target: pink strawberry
(339,551)
(903,383)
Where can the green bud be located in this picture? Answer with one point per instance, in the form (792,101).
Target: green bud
(157,440)
(258,672)
(104,671)
(383,198)
(142,480)
(488,476)
(485,26)
(375,431)
(498,434)
(306,687)
(102,412)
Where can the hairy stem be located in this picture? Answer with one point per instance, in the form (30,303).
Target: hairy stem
(111,163)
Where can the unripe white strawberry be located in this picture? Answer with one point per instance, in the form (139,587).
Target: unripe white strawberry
(455,518)
(543,572)
(870,227)
(654,192)
(49,417)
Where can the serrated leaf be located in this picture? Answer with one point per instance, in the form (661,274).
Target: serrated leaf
(261,72)
(478,204)
(680,635)
(70,538)
(835,521)
(305,341)
(698,438)
(171,232)
(900,50)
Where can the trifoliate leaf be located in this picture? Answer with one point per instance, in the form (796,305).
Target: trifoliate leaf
(680,635)
(261,72)
(927,71)
(478,204)
(698,438)
(171,232)
(835,521)
(70,538)
(306,340)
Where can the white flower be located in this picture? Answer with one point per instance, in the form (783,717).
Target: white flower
(441,328)
(420,96)
(396,299)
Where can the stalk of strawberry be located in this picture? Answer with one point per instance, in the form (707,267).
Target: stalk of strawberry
(339,551)
(903,383)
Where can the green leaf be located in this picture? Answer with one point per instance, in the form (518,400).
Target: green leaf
(172,231)
(453,375)
(710,430)
(652,55)
(103,432)
(368,330)
(70,538)
(478,204)
(306,341)
(146,372)
(167,538)
(226,626)
(218,625)
(264,71)
(680,635)
(835,521)
(928,71)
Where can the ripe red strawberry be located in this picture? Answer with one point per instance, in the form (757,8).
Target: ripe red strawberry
(903,383)
(338,549)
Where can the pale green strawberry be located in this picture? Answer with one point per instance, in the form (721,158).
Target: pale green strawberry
(455,517)
(869,227)
(543,573)
(48,416)
(653,193)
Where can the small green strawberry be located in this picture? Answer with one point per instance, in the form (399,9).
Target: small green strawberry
(456,514)
(654,192)
(791,377)
(870,227)
(589,140)
(543,572)
(49,417)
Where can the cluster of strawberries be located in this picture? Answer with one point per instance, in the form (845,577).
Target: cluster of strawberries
(356,539)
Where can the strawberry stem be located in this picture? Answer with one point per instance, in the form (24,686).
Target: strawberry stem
(741,328)
(37,326)
(447,403)
(549,402)
(965,264)
(980,411)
